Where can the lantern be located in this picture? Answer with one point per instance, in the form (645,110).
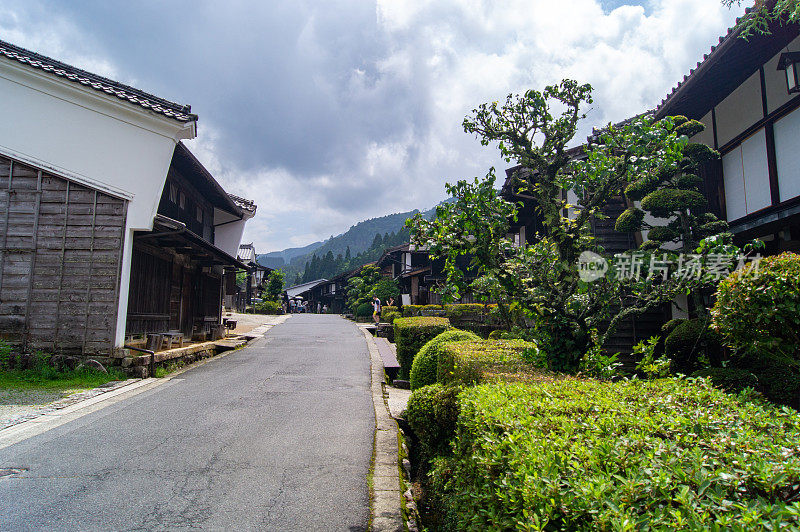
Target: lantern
(790,62)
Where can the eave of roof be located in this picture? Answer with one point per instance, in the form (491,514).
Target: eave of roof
(724,68)
(175,111)
(193,170)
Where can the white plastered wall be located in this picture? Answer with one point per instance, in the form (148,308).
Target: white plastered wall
(94,139)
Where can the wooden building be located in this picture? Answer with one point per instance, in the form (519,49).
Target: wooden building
(411,267)
(752,117)
(177,271)
(108,224)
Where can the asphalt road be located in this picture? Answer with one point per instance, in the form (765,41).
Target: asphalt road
(276,436)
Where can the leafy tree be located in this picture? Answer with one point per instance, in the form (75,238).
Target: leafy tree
(275,283)
(368,284)
(474,225)
(672,195)
(764,13)
(533,130)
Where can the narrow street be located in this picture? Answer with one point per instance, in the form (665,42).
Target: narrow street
(276,436)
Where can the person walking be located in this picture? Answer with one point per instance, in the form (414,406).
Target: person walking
(376,307)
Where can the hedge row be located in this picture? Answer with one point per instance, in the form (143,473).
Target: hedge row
(457,313)
(477,361)
(426,362)
(410,334)
(588,455)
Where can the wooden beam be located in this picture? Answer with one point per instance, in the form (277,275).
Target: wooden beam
(89,277)
(63,259)
(5,227)
(32,271)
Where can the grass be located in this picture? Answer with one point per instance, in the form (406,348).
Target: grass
(49,378)
(169,367)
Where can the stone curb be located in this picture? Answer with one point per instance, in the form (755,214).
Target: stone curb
(385,507)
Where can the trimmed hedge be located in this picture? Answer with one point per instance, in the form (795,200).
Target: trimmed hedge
(388,309)
(363,310)
(424,367)
(410,334)
(473,362)
(630,455)
(432,412)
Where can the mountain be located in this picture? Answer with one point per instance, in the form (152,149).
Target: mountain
(279,259)
(359,238)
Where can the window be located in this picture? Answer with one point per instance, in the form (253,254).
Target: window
(198,213)
(746,177)
(182,200)
(787,155)
(173,193)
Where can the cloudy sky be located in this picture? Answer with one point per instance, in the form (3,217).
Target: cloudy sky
(330,112)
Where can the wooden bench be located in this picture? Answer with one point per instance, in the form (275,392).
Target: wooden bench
(388,354)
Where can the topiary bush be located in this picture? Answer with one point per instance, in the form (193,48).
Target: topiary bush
(760,309)
(690,345)
(432,412)
(473,362)
(363,310)
(631,455)
(424,367)
(387,309)
(410,334)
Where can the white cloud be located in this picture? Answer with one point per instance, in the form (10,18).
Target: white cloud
(327,114)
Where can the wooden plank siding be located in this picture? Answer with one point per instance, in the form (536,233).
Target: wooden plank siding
(60,257)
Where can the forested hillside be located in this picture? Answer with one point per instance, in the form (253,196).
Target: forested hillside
(364,242)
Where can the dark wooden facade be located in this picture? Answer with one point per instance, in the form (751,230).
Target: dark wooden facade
(178,276)
(60,256)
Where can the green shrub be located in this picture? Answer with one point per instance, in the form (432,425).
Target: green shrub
(690,344)
(410,334)
(473,362)
(630,455)
(363,310)
(410,311)
(268,307)
(432,412)
(389,317)
(730,379)
(761,309)
(388,309)
(424,367)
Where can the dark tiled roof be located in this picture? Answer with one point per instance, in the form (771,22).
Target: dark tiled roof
(158,105)
(731,61)
(242,203)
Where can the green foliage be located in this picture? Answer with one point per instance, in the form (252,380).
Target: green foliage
(761,308)
(636,191)
(389,317)
(268,307)
(410,334)
(432,413)
(600,365)
(473,362)
(363,310)
(665,201)
(630,455)
(424,367)
(691,344)
(367,284)
(275,284)
(690,128)
(652,367)
(730,379)
(474,225)
(38,372)
(764,15)
(630,220)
